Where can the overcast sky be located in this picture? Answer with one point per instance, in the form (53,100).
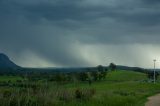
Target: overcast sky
(71,33)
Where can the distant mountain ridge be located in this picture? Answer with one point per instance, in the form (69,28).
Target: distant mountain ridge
(5,62)
(6,65)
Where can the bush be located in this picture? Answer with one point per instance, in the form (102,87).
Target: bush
(83,76)
(84,93)
(78,94)
(95,75)
(7,94)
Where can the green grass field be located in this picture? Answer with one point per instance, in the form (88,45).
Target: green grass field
(120,88)
(10,78)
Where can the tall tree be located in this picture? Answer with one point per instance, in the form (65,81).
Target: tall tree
(112,66)
(102,72)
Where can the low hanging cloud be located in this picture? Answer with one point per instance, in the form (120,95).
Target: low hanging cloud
(43,33)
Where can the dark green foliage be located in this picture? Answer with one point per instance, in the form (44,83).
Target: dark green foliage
(112,67)
(95,75)
(59,77)
(7,93)
(83,76)
(102,72)
(84,94)
(100,68)
(78,94)
(150,75)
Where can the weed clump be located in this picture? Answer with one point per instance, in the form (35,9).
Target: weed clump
(84,93)
(7,94)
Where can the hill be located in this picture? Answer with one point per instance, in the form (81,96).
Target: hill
(5,62)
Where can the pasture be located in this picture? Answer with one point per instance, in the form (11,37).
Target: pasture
(119,88)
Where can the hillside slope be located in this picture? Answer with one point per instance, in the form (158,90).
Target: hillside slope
(5,62)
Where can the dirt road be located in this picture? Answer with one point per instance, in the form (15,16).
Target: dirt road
(153,101)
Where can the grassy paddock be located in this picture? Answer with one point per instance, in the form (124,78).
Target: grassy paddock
(10,78)
(120,88)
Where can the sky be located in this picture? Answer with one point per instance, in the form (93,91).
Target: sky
(78,33)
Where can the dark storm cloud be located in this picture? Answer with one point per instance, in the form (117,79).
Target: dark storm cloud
(127,11)
(56,29)
(149,2)
(52,46)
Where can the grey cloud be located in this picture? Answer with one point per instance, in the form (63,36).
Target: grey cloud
(48,43)
(132,12)
(57,29)
(151,2)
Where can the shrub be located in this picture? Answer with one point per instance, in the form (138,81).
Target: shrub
(84,93)
(7,94)
(95,75)
(78,94)
(83,76)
